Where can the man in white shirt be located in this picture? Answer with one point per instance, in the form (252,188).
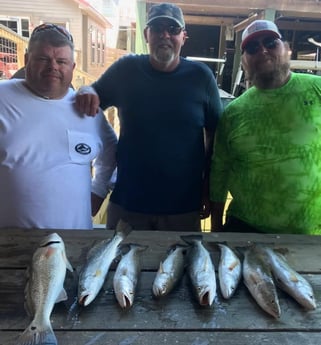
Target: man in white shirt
(48,148)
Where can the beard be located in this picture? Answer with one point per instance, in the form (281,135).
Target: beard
(265,75)
(164,56)
(265,79)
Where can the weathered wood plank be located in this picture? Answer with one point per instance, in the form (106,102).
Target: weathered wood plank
(178,311)
(177,338)
(17,246)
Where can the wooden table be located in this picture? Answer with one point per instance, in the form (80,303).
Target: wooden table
(176,319)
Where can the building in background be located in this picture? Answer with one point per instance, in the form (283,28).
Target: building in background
(94,48)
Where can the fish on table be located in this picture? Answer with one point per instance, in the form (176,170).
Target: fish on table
(44,288)
(126,275)
(99,258)
(229,271)
(258,279)
(201,270)
(170,270)
(288,280)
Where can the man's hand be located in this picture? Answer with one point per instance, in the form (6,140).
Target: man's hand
(87,100)
(205,211)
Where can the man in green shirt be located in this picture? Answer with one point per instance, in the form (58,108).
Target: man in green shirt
(268,145)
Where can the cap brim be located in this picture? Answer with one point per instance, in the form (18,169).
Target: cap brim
(257,34)
(166,17)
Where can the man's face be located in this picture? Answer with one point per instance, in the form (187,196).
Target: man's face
(49,69)
(265,58)
(165,39)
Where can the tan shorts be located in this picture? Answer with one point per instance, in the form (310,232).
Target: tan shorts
(141,221)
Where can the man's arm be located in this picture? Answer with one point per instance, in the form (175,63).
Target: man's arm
(105,164)
(209,140)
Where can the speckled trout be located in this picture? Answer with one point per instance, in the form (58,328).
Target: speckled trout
(170,270)
(99,258)
(126,275)
(44,288)
(258,279)
(201,270)
(229,271)
(289,280)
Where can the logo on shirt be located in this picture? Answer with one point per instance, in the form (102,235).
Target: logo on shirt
(83,149)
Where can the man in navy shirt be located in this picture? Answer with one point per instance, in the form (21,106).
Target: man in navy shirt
(168,109)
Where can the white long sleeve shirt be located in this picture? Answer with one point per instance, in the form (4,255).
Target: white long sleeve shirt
(47,150)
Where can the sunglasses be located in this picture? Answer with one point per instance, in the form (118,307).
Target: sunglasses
(173,30)
(254,46)
(58,28)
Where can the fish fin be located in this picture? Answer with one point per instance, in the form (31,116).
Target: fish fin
(139,247)
(34,335)
(27,301)
(161,268)
(281,251)
(62,296)
(123,248)
(68,264)
(95,247)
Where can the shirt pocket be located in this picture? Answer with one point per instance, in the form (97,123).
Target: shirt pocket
(83,147)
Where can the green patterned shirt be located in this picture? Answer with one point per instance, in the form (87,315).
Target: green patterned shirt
(268,156)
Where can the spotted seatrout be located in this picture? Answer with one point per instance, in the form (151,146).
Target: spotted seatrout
(44,288)
(229,271)
(170,270)
(258,279)
(126,275)
(99,259)
(201,270)
(289,280)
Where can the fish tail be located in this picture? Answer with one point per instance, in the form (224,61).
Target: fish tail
(190,239)
(123,228)
(175,246)
(35,335)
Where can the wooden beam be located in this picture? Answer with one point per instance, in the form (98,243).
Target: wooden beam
(208,20)
(301,8)
(298,25)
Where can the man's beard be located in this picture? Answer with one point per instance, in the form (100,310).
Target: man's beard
(163,56)
(263,80)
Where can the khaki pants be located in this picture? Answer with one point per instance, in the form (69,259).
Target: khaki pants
(141,221)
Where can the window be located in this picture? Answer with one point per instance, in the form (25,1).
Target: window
(18,25)
(93,45)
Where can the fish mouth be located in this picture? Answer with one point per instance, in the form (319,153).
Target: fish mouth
(126,302)
(205,299)
(159,291)
(84,300)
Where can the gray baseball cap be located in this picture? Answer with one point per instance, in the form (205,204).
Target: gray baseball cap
(166,10)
